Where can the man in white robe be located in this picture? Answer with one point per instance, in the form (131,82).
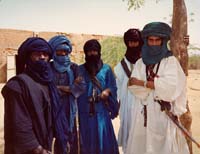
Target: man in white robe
(133,42)
(157,76)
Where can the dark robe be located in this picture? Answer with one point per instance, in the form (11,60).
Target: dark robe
(68,100)
(28,118)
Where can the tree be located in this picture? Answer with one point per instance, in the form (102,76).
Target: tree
(179,43)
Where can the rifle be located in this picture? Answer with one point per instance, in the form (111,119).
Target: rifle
(175,120)
(97,83)
(92,100)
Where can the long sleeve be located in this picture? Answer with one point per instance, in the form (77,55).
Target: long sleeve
(119,78)
(18,126)
(139,91)
(171,84)
(78,89)
(113,103)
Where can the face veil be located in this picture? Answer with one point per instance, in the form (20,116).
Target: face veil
(93,63)
(133,53)
(154,54)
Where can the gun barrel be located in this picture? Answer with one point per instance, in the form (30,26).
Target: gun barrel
(178,124)
(183,129)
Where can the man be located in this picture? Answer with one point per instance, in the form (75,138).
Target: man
(32,103)
(159,84)
(123,70)
(68,81)
(98,105)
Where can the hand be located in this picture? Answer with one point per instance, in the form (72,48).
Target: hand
(78,80)
(105,94)
(40,150)
(64,88)
(134,81)
(137,82)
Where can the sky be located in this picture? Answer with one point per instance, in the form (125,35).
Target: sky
(106,17)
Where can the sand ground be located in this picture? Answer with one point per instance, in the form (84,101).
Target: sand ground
(193,93)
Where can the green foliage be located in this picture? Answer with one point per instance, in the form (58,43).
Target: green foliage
(194,62)
(113,50)
(135,4)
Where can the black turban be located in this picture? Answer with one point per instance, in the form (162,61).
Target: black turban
(133,35)
(92,44)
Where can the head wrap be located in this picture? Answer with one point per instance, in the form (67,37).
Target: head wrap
(38,70)
(93,62)
(133,53)
(160,29)
(133,35)
(27,47)
(154,54)
(61,42)
(92,44)
(41,72)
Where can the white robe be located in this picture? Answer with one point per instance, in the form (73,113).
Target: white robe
(126,99)
(161,136)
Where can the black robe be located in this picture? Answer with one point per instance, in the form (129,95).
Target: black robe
(28,118)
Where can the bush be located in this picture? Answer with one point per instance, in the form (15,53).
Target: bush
(113,49)
(194,62)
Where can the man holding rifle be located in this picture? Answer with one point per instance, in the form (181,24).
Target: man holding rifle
(159,84)
(98,104)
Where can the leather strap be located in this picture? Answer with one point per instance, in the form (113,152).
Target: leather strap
(125,67)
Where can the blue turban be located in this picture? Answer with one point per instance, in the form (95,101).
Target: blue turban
(154,54)
(33,44)
(61,42)
(160,29)
(27,47)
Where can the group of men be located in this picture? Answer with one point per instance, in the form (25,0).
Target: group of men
(54,98)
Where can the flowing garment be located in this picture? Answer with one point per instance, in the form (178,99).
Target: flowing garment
(160,136)
(127,101)
(96,131)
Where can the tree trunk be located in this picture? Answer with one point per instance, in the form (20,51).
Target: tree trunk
(179,47)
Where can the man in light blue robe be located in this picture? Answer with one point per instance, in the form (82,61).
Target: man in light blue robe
(98,104)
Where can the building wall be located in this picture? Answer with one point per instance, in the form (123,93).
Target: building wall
(10,40)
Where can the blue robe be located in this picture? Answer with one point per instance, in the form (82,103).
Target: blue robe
(68,100)
(96,131)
